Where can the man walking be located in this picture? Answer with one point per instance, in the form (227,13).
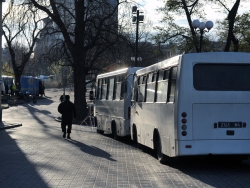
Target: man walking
(68,111)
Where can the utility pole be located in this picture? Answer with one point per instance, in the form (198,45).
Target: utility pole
(136,20)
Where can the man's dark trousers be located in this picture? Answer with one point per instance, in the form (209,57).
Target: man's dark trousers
(64,125)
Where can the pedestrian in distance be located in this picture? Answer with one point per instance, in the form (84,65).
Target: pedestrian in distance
(62,98)
(43,92)
(68,111)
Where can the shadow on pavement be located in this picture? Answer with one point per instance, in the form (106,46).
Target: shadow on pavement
(200,167)
(92,150)
(16,169)
(39,101)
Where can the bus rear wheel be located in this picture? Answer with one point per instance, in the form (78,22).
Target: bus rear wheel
(134,134)
(100,131)
(160,156)
(114,132)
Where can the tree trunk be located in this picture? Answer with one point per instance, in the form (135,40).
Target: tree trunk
(188,15)
(18,75)
(231,20)
(17,81)
(80,91)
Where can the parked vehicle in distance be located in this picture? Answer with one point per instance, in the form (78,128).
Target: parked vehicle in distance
(193,104)
(31,85)
(113,102)
(2,88)
(8,82)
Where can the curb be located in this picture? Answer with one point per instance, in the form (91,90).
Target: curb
(9,126)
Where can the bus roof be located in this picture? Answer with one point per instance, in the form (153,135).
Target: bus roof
(208,57)
(163,64)
(128,70)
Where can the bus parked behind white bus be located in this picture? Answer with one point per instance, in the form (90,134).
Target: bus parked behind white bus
(113,102)
(194,104)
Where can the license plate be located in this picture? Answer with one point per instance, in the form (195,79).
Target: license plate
(229,124)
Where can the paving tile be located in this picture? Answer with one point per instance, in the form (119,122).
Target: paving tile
(36,155)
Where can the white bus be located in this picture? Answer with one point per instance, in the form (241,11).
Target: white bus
(194,104)
(113,101)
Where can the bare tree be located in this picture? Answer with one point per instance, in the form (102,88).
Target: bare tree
(174,33)
(89,29)
(232,13)
(20,30)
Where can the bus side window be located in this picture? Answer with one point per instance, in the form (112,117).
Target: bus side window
(98,90)
(141,89)
(137,91)
(162,86)
(172,84)
(111,88)
(118,88)
(123,87)
(104,88)
(151,87)
(135,88)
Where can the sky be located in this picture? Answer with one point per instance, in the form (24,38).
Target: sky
(149,10)
(212,14)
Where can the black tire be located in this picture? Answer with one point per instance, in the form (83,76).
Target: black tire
(100,131)
(160,156)
(95,121)
(135,135)
(114,131)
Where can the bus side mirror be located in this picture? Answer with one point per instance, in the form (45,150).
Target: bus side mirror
(91,95)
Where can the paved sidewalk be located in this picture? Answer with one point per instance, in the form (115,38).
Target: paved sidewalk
(35,155)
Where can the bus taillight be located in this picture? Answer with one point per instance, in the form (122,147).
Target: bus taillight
(184,114)
(184,121)
(184,133)
(184,127)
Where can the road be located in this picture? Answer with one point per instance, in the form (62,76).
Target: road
(36,155)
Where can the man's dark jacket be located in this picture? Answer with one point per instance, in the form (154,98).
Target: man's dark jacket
(68,111)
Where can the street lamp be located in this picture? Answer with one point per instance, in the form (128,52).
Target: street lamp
(137,18)
(202,27)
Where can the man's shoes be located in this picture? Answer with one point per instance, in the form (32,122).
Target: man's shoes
(68,137)
(64,135)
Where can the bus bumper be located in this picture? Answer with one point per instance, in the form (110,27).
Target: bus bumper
(213,147)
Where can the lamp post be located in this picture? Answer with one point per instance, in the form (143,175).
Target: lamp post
(137,18)
(202,27)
